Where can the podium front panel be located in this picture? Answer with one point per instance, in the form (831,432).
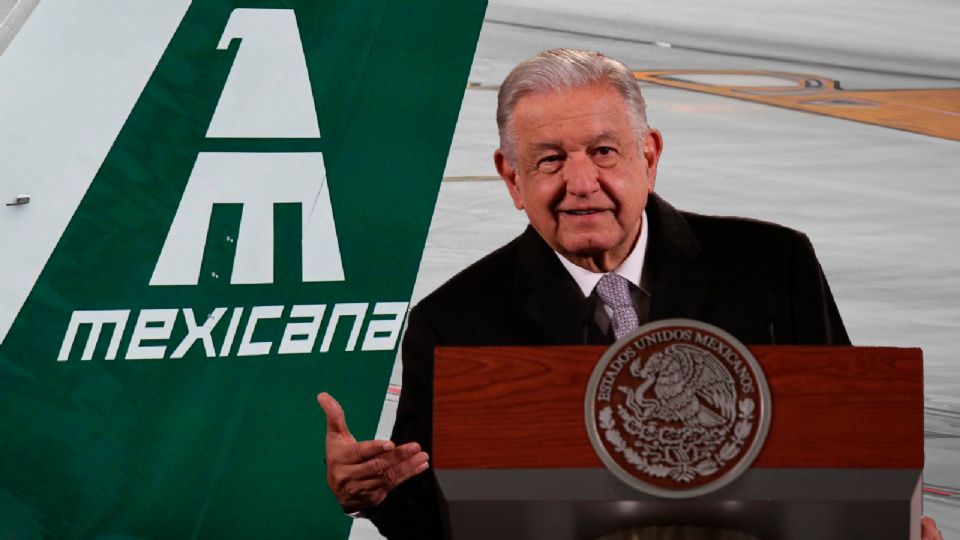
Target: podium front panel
(842,459)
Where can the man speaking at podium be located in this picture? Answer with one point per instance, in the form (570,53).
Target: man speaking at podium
(602,255)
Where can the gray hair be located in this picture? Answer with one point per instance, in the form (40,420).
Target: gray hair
(561,69)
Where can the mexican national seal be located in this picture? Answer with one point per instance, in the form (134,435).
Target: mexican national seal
(678,408)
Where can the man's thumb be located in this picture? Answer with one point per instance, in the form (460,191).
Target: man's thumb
(336,423)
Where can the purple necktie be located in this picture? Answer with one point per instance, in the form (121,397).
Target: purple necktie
(614,290)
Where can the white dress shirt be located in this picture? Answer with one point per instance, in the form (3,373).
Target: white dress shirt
(630,268)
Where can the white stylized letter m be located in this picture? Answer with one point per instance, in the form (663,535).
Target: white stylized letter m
(267,95)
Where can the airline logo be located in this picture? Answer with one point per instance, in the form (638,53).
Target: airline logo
(258,181)
(300,331)
(284,109)
(229,201)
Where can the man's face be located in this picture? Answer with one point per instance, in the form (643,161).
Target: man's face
(581,176)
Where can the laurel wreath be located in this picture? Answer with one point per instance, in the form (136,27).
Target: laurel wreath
(680,472)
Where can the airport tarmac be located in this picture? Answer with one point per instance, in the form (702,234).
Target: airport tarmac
(868,175)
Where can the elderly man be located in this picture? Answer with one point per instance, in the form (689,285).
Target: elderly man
(602,254)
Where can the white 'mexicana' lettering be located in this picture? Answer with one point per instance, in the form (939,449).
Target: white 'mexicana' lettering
(144,331)
(372,341)
(340,310)
(96,320)
(307,330)
(248,347)
(151,335)
(200,333)
(231,331)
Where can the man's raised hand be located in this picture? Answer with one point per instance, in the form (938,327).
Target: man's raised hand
(929,530)
(360,474)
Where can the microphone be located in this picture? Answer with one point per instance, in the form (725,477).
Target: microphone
(587,319)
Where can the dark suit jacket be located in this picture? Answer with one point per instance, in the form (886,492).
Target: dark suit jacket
(759,281)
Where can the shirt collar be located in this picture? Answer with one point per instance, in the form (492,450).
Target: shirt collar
(630,268)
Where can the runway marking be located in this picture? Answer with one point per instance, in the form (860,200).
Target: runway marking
(929,111)
(712,50)
(941,492)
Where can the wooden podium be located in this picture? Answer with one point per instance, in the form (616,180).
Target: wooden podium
(843,457)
